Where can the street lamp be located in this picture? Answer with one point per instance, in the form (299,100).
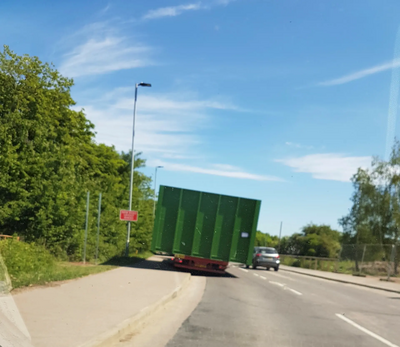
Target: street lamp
(155,194)
(128,233)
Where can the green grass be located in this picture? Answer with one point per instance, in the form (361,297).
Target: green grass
(345,267)
(60,271)
(30,264)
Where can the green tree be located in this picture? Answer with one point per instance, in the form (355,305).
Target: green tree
(374,217)
(314,240)
(266,240)
(49,160)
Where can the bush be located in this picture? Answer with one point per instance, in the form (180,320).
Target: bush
(28,264)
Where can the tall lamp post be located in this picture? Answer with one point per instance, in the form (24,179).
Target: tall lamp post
(155,193)
(128,233)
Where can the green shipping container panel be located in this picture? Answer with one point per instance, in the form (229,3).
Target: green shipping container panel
(205,225)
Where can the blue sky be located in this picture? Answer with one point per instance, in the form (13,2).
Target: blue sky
(275,100)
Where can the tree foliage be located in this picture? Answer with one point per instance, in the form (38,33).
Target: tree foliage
(266,240)
(49,160)
(374,217)
(314,240)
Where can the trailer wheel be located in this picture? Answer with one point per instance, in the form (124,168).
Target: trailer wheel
(247,266)
(254,266)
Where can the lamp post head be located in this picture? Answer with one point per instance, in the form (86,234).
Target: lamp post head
(142,84)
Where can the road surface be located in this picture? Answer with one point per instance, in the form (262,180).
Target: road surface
(267,308)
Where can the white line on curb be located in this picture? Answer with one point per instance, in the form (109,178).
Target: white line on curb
(277,283)
(370,333)
(295,291)
(262,277)
(244,270)
(255,275)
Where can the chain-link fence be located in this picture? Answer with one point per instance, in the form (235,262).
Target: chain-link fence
(373,260)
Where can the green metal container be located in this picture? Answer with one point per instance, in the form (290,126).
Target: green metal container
(205,225)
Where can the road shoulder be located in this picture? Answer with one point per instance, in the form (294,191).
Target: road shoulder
(368,282)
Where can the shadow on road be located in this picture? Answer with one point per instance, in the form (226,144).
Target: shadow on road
(163,264)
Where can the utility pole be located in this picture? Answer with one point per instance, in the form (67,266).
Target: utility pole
(86,227)
(98,228)
(128,232)
(280,236)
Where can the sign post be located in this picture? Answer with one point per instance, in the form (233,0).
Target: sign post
(130,216)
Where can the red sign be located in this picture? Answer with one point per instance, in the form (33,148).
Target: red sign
(128,215)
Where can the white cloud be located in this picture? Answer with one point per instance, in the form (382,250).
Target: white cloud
(329,166)
(166,125)
(101,50)
(224,171)
(171,11)
(298,145)
(361,74)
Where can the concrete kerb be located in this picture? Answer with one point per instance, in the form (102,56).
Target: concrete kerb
(343,281)
(132,324)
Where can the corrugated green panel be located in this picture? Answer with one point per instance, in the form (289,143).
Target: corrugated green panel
(205,225)
(245,221)
(186,222)
(224,228)
(167,218)
(205,229)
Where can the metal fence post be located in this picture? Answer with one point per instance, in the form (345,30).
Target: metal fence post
(98,228)
(86,227)
(338,259)
(392,254)
(362,258)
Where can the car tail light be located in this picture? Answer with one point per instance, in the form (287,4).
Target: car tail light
(258,255)
(278,256)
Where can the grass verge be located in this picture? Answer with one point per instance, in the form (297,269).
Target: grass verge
(29,264)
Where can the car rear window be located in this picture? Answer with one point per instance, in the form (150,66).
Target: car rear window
(268,251)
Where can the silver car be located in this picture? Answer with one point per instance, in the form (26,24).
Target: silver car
(266,256)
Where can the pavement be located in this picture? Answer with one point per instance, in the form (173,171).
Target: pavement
(267,308)
(85,311)
(368,281)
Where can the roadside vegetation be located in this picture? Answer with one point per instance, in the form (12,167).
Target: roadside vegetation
(29,264)
(49,160)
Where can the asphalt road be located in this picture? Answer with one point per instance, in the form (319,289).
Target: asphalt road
(267,308)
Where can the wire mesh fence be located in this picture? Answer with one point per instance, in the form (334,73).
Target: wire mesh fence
(373,260)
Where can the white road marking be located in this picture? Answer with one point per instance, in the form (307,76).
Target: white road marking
(370,333)
(295,291)
(287,278)
(244,270)
(255,275)
(262,277)
(277,283)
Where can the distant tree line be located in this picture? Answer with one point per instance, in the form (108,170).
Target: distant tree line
(313,240)
(49,160)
